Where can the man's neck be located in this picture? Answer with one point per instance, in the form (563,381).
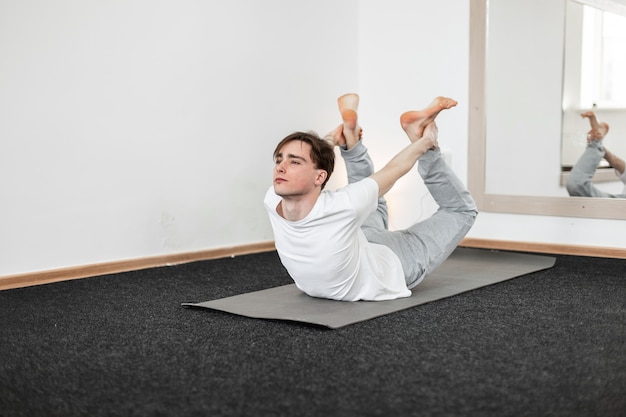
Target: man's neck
(294,209)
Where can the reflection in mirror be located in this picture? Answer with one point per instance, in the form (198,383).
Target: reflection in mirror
(593,79)
(516,102)
(580,180)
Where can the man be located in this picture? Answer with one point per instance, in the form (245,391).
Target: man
(335,244)
(579,181)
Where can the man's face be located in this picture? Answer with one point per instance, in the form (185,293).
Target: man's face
(294,171)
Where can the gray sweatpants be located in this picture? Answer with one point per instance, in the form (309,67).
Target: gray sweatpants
(579,181)
(425,245)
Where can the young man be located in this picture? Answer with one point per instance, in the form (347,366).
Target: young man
(335,244)
(579,181)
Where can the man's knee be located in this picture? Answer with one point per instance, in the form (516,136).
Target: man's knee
(468,219)
(574,187)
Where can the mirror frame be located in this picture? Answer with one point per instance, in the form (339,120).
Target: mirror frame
(584,207)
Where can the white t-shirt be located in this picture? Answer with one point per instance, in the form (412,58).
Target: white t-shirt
(327,254)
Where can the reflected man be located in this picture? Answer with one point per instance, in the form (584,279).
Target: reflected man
(579,182)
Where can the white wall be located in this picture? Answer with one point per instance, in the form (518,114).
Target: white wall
(411,52)
(137,128)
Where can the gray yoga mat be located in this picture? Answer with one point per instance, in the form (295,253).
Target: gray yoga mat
(465,270)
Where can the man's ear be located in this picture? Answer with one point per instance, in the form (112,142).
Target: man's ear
(321,177)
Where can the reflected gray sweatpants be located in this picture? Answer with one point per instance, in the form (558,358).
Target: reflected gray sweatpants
(425,245)
(579,181)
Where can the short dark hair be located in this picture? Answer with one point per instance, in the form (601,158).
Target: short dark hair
(322,151)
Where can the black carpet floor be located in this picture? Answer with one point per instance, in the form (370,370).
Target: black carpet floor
(552,343)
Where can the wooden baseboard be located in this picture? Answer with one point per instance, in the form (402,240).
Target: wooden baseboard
(549,248)
(84,271)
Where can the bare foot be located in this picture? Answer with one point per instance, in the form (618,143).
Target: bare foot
(429,138)
(593,121)
(414,122)
(598,134)
(350,119)
(348,106)
(598,129)
(348,101)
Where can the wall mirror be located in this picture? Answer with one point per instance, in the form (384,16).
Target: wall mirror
(593,79)
(517,76)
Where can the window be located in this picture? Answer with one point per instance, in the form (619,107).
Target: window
(603,72)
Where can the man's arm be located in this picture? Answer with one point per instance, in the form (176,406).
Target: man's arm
(615,161)
(405,160)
